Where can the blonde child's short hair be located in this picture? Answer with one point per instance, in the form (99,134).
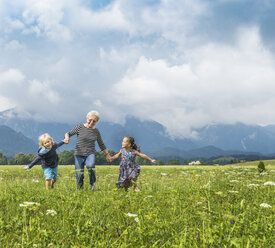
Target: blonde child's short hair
(42,138)
(95,113)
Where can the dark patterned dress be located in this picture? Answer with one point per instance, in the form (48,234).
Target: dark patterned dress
(128,169)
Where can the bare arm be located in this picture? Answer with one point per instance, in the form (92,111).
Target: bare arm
(145,156)
(116,156)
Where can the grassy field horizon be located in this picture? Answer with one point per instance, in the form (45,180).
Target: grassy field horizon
(178,206)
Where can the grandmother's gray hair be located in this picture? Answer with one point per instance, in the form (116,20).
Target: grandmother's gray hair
(95,113)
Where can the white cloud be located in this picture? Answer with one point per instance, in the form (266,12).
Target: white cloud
(5,103)
(11,77)
(110,18)
(216,84)
(131,57)
(45,18)
(43,92)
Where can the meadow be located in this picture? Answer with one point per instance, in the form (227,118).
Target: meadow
(178,206)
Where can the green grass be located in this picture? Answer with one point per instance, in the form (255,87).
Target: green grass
(178,206)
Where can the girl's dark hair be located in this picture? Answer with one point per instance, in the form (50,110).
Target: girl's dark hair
(133,144)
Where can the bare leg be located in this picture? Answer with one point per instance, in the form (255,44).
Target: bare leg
(136,188)
(53,182)
(48,184)
(127,185)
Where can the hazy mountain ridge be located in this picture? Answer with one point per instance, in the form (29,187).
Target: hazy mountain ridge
(12,142)
(213,140)
(241,137)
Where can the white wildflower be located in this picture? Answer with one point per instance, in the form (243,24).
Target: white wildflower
(233,191)
(263,173)
(163,174)
(199,203)
(23,205)
(265,205)
(131,215)
(35,181)
(269,183)
(51,212)
(137,219)
(206,185)
(27,204)
(253,185)
(149,196)
(234,181)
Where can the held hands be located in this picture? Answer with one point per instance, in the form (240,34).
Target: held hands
(26,168)
(153,161)
(109,158)
(66,138)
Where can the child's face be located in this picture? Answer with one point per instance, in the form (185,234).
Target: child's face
(48,144)
(126,143)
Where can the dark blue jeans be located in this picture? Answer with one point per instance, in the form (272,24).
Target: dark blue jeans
(80,161)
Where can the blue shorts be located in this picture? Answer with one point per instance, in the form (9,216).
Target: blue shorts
(50,173)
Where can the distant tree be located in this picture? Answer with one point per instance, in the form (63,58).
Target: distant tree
(186,161)
(66,157)
(21,158)
(173,162)
(11,162)
(3,159)
(261,167)
(142,161)
(100,158)
(30,157)
(160,162)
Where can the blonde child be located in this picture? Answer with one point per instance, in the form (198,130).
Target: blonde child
(48,157)
(129,170)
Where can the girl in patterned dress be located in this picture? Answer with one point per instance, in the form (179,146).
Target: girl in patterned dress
(129,170)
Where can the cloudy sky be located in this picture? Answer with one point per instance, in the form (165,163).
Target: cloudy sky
(184,64)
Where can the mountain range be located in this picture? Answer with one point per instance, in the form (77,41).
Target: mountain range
(213,140)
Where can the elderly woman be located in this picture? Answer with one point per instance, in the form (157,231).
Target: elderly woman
(85,151)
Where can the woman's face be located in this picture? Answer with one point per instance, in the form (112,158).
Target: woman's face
(91,121)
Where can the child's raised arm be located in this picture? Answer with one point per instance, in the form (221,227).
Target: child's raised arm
(145,156)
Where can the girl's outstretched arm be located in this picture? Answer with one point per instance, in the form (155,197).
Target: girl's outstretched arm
(116,156)
(145,156)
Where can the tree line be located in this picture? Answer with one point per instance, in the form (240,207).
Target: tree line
(67,158)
